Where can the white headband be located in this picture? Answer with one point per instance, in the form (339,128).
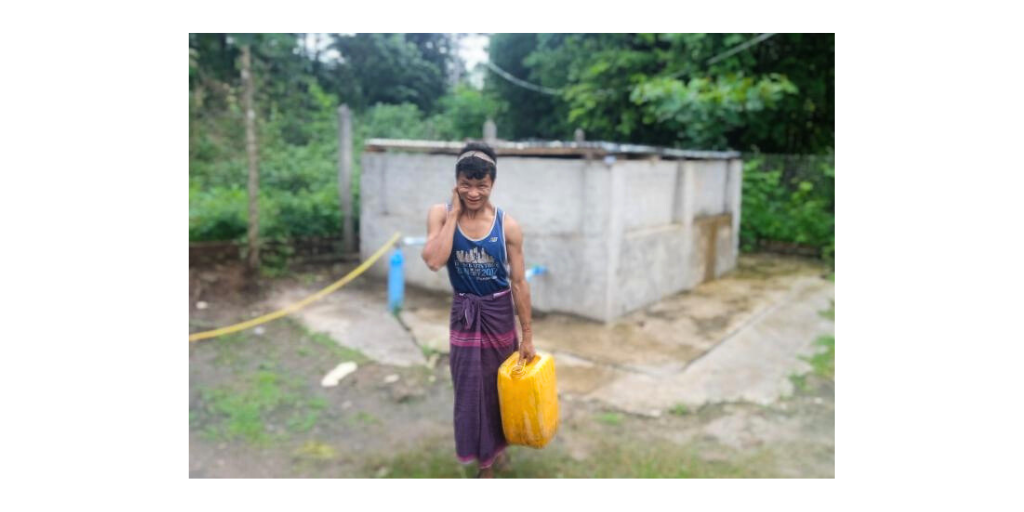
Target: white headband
(478,154)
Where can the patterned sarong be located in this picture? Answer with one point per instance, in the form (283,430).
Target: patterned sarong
(482,336)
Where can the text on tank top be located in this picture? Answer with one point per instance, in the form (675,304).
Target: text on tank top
(480,266)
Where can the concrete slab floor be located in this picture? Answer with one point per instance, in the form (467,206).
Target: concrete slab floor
(734,339)
(353,319)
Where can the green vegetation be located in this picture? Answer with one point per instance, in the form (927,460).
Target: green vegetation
(799,381)
(676,90)
(679,410)
(305,422)
(824,362)
(263,403)
(633,460)
(338,352)
(610,418)
(429,351)
(235,348)
(798,211)
(829,313)
(297,103)
(227,347)
(246,408)
(362,418)
(775,96)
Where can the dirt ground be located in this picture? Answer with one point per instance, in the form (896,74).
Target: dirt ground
(257,407)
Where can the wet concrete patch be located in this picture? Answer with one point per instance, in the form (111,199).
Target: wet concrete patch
(356,321)
(577,377)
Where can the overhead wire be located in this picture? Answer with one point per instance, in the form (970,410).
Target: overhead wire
(558,92)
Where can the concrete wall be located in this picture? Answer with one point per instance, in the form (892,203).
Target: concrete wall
(614,236)
(664,248)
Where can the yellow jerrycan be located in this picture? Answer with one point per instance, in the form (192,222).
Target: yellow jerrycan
(529,400)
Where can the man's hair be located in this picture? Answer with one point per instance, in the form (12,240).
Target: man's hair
(475,168)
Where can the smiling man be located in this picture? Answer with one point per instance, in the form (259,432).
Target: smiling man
(482,247)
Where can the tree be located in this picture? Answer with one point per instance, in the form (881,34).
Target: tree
(530,114)
(682,90)
(390,68)
(253,151)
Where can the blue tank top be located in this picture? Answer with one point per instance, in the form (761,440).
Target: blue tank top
(480,266)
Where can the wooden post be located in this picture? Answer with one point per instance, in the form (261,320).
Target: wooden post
(490,132)
(345,179)
(252,149)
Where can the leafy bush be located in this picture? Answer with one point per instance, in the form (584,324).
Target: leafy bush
(303,213)
(217,214)
(402,121)
(799,210)
(298,180)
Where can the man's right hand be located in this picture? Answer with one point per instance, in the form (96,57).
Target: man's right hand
(456,202)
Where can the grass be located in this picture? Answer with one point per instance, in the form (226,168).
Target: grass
(824,362)
(679,410)
(340,352)
(227,348)
(245,408)
(626,460)
(799,381)
(262,403)
(609,418)
(362,418)
(304,422)
(286,334)
(429,351)
(829,313)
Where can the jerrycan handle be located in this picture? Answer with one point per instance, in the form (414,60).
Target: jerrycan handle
(519,368)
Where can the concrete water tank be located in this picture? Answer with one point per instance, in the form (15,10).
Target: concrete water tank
(617,226)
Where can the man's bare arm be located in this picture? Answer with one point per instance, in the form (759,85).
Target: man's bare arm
(440,232)
(520,288)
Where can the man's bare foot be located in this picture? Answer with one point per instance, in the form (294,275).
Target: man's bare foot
(486,473)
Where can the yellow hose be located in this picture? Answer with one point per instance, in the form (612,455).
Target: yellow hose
(302,303)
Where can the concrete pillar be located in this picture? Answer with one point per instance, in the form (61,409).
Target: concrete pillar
(345,179)
(684,212)
(579,136)
(734,201)
(616,228)
(490,132)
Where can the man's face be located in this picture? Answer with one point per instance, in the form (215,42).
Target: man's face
(474,193)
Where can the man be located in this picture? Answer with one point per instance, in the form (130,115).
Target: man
(482,247)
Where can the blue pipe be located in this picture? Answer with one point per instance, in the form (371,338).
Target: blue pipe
(396,282)
(535,270)
(396,275)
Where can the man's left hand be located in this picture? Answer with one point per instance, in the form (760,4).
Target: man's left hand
(526,351)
